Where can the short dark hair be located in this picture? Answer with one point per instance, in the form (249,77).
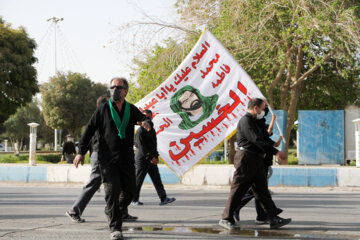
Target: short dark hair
(148,111)
(255,102)
(125,82)
(101,99)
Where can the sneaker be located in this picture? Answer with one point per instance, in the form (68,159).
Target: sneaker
(167,200)
(137,203)
(129,218)
(116,235)
(228,225)
(260,222)
(236,215)
(75,217)
(277,222)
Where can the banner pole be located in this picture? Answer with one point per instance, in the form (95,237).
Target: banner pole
(277,124)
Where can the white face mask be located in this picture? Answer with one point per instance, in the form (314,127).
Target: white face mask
(260,115)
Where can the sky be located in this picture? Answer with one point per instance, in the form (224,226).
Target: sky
(87,39)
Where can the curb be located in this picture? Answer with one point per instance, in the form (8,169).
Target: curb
(216,175)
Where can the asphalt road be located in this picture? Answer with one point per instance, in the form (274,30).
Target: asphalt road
(37,211)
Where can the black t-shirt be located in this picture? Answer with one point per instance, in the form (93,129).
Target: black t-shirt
(69,148)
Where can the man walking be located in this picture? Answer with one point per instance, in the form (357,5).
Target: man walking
(77,209)
(115,123)
(249,164)
(146,160)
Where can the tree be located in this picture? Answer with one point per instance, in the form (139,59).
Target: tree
(18,81)
(282,43)
(156,67)
(286,46)
(69,99)
(16,128)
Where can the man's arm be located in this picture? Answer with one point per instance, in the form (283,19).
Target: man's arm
(141,119)
(90,129)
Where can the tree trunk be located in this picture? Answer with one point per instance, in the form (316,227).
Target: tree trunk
(295,93)
(232,149)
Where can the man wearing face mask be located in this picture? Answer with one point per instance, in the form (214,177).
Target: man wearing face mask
(115,121)
(249,165)
(146,160)
(266,131)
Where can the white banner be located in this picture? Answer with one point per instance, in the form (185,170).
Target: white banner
(200,104)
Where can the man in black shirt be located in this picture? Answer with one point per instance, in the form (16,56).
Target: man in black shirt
(249,164)
(115,123)
(69,150)
(146,160)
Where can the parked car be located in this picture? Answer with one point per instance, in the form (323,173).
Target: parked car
(2,147)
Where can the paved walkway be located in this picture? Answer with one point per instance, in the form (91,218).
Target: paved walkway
(37,211)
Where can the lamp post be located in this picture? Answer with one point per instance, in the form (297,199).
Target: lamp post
(55,20)
(357,141)
(6,145)
(32,148)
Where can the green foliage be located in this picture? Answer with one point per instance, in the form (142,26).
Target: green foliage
(16,127)
(69,99)
(292,157)
(18,81)
(40,159)
(156,67)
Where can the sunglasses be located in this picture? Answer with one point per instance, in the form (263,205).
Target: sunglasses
(118,87)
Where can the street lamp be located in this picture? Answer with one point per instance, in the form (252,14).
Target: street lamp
(357,141)
(55,20)
(32,148)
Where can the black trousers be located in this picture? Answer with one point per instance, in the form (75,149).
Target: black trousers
(249,173)
(141,170)
(261,214)
(119,187)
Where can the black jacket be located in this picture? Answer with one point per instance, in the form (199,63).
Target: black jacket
(110,147)
(250,136)
(264,127)
(146,144)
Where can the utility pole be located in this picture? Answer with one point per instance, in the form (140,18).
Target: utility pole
(55,20)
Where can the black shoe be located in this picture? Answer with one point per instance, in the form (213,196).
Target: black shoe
(167,200)
(129,218)
(236,215)
(228,225)
(75,217)
(277,222)
(137,203)
(116,235)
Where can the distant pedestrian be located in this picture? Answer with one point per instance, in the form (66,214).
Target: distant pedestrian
(146,160)
(69,151)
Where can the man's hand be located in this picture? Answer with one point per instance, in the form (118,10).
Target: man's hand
(145,125)
(62,158)
(154,161)
(79,159)
(281,155)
